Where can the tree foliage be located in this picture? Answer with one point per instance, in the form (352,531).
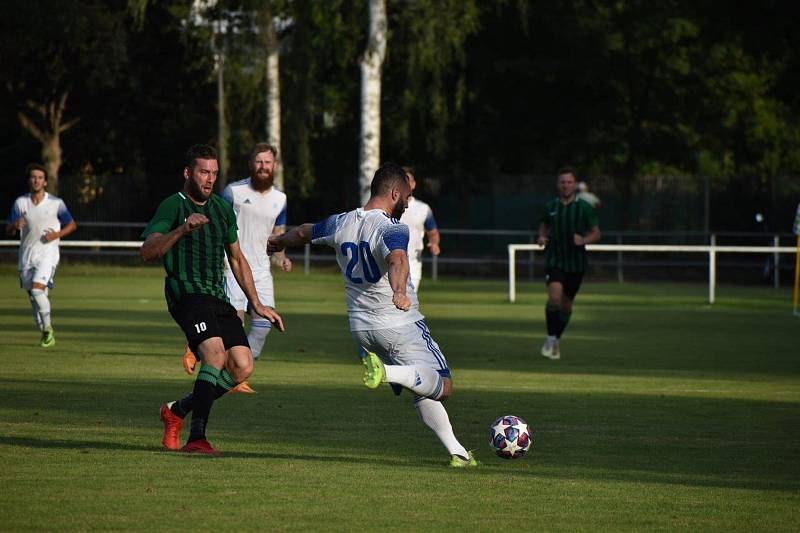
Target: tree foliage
(472,91)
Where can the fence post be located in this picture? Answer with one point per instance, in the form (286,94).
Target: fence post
(531,256)
(307,259)
(620,274)
(776,262)
(435,267)
(712,269)
(512,274)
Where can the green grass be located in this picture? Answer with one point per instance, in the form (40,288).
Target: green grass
(663,414)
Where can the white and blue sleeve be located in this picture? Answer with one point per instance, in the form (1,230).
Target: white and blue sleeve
(323,232)
(227,194)
(64,216)
(394,237)
(15,214)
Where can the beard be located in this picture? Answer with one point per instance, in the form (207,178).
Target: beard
(195,191)
(398,209)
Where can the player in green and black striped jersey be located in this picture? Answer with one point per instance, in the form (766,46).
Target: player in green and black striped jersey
(567,225)
(192,231)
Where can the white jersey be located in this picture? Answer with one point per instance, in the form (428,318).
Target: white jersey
(257,214)
(363,241)
(419,218)
(48,215)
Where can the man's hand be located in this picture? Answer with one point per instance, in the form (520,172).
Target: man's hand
(49,236)
(401,301)
(285,263)
(579,240)
(194,221)
(542,240)
(270,314)
(434,248)
(19,224)
(274,245)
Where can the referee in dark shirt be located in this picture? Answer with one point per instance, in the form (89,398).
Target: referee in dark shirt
(567,225)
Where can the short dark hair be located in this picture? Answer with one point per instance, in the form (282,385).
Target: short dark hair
(567,170)
(35,166)
(262,147)
(386,177)
(199,151)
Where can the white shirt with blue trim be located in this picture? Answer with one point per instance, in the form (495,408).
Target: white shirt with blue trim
(363,241)
(257,214)
(48,215)
(419,218)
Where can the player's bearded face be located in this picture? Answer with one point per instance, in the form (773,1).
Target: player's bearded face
(201,178)
(402,202)
(263,168)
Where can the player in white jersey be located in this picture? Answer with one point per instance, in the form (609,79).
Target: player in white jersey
(419,219)
(41,219)
(382,305)
(260,212)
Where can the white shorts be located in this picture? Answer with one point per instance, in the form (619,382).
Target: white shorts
(42,273)
(409,344)
(263,281)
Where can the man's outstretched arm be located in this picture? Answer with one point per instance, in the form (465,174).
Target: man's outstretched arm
(296,237)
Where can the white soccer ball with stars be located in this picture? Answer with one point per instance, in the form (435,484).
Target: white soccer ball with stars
(510,437)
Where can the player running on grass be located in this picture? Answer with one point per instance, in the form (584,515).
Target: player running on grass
(371,246)
(260,212)
(567,225)
(42,220)
(192,230)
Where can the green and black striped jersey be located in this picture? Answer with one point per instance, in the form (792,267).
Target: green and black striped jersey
(564,222)
(194,264)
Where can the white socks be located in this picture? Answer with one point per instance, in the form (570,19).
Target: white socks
(259,329)
(36,318)
(434,415)
(421,380)
(41,308)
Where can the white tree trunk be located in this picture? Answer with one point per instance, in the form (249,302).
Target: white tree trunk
(371,68)
(274,97)
(222,119)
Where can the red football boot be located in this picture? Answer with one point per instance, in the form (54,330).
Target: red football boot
(172,429)
(200,446)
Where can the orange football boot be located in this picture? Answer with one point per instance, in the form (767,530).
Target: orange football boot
(172,429)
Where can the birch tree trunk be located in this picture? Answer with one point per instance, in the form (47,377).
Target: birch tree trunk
(45,123)
(371,68)
(222,120)
(273,93)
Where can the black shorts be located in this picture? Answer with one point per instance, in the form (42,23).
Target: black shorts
(203,317)
(571,281)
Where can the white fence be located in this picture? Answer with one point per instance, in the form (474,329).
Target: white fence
(712,250)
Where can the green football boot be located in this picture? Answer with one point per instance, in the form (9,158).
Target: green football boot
(48,339)
(456,461)
(374,374)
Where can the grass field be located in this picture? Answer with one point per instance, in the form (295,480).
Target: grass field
(663,414)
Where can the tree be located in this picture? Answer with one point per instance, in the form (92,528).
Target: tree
(371,68)
(273,84)
(64,48)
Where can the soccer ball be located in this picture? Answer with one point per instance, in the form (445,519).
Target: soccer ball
(510,437)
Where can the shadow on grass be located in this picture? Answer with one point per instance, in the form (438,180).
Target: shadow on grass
(727,443)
